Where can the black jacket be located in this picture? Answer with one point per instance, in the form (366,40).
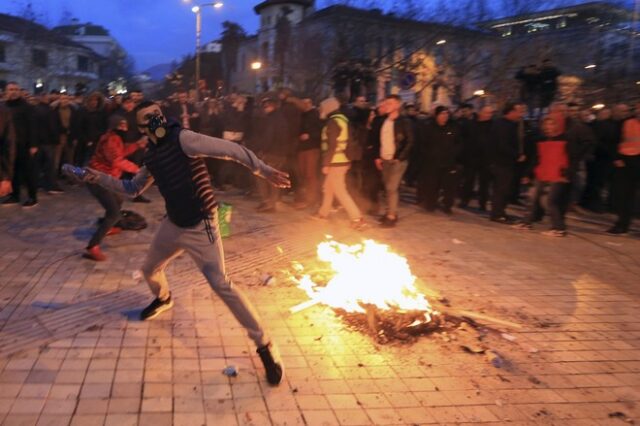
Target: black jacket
(21,118)
(583,138)
(404,138)
(74,130)
(234,120)
(94,124)
(7,144)
(311,124)
(269,137)
(211,124)
(443,146)
(133,134)
(44,132)
(175,112)
(607,134)
(480,145)
(504,147)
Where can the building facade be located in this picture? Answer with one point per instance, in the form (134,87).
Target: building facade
(358,52)
(114,70)
(42,60)
(371,53)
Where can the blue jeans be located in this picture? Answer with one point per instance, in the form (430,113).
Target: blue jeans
(558,194)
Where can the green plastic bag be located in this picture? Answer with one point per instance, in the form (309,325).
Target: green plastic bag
(224,219)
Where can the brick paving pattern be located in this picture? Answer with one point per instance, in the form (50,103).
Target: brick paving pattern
(73,353)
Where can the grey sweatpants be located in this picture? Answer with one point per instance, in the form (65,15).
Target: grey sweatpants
(171,241)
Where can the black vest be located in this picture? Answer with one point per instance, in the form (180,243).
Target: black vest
(184,182)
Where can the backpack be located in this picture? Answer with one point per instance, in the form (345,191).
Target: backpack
(131,221)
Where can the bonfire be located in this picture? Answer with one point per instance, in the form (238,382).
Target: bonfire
(370,287)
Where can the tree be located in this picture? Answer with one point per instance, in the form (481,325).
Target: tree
(232,35)
(282,43)
(67,17)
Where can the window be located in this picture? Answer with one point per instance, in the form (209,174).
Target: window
(83,63)
(265,51)
(536,27)
(562,23)
(2,53)
(39,58)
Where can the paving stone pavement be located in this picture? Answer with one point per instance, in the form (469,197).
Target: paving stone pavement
(73,353)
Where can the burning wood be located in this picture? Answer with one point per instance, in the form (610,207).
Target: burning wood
(370,287)
(373,290)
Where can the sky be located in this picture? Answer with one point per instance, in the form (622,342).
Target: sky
(160,31)
(152,31)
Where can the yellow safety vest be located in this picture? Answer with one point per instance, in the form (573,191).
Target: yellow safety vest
(339,156)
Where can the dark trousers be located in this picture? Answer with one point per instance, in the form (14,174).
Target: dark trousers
(475,172)
(308,173)
(24,173)
(439,181)
(626,181)
(516,187)
(598,176)
(502,178)
(557,201)
(269,194)
(112,204)
(49,167)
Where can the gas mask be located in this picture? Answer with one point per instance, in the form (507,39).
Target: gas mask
(158,126)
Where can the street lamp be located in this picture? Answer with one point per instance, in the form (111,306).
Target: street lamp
(590,67)
(257,66)
(479,92)
(197,9)
(441,42)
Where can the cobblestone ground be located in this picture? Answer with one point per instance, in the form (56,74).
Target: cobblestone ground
(73,352)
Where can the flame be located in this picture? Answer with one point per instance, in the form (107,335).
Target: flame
(364,274)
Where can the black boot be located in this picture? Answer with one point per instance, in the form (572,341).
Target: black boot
(274,371)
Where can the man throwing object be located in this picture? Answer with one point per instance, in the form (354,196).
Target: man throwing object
(174,160)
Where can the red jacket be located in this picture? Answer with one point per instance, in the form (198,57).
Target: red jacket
(110,156)
(555,159)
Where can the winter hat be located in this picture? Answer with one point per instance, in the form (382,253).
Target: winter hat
(328,106)
(115,120)
(440,109)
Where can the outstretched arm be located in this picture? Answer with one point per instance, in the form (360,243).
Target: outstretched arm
(130,187)
(198,145)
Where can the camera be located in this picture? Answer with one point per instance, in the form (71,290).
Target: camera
(158,126)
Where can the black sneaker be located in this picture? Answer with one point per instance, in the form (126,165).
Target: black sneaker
(274,370)
(617,230)
(30,203)
(156,308)
(11,201)
(141,199)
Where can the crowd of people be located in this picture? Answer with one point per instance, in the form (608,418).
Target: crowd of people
(347,153)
